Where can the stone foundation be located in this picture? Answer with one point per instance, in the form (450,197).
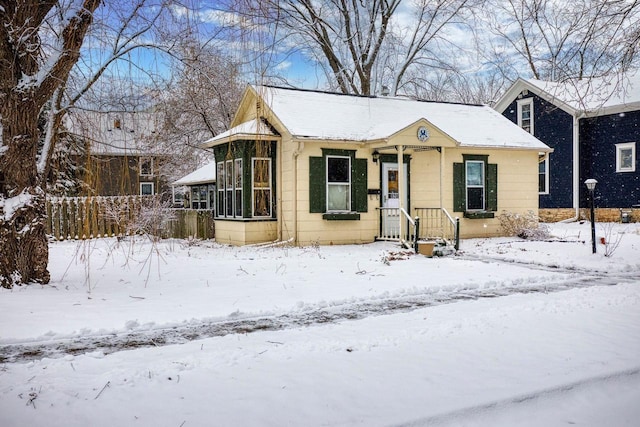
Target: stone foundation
(602,214)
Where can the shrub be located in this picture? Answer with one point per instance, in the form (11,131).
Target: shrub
(525,226)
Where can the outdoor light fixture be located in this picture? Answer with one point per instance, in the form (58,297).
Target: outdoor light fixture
(376,156)
(591,186)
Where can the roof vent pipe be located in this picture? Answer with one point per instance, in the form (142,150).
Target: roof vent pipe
(385,91)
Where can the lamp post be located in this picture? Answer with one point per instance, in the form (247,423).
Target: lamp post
(591,186)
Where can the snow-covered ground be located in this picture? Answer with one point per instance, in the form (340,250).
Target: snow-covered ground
(513,332)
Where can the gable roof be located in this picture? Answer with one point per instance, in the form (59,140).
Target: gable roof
(204,175)
(308,114)
(591,97)
(116,133)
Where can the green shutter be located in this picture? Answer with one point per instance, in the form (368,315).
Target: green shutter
(359,178)
(459,188)
(492,187)
(317,185)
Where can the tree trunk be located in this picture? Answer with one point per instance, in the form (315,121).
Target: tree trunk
(23,239)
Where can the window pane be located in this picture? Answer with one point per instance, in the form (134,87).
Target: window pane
(338,169)
(238,212)
(262,203)
(229,203)
(261,173)
(338,197)
(626,158)
(229,174)
(542,184)
(475,198)
(238,173)
(146,166)
(146,189)
(220,175)
(475,173)
(220,209)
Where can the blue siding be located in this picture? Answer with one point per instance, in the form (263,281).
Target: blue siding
(598,139)
(554,127)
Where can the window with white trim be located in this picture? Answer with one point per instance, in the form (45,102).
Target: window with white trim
(525,114)
(338,184)
(626,157)
(237,187)
(543,173)
(229,188)
(220,178)
(199,197)
(146,166)
(475,184)
(146,188)
(261,186)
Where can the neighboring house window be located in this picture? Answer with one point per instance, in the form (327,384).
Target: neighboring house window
(626,157)
(178,195)
(261,187)
(475,184)
(199,197)
(237,170)
(146,166)
(338,184)
(543,173)
(146,188)
(220,178)
(525,114)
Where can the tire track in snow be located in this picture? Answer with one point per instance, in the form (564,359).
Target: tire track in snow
(351,311)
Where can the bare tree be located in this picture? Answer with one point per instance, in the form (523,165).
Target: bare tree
(558,40)
(27,83)
(199,102)
(40,44)
(363,45)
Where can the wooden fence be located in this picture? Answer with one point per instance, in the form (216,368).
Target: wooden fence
(106,216)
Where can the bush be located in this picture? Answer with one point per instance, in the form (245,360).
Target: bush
(524,226)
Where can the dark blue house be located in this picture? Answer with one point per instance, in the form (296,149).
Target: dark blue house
(593,126)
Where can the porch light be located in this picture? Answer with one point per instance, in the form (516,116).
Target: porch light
(375,156)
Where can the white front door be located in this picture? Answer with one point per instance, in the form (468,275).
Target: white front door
(390,217)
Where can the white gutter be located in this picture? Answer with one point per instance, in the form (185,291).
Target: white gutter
(296,153)
(576,167)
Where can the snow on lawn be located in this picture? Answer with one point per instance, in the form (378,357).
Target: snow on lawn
(570,357)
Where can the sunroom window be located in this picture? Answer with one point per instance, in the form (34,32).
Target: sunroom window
(220,177)
(261,187)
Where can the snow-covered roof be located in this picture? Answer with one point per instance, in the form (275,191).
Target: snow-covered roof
(250,129)
(595,96)
(205,175)
(329,116)
(116,133)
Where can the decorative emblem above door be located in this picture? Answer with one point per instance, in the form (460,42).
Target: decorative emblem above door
(423,133)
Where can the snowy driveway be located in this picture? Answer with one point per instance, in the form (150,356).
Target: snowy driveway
(509,333)
(195,330)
